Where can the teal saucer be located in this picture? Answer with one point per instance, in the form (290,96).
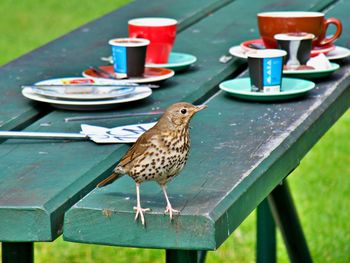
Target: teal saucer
(177,62)
(311,73)
(291,88)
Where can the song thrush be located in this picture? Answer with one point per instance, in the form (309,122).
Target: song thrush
(159,154)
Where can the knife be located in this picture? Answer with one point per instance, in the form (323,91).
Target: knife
(111,116)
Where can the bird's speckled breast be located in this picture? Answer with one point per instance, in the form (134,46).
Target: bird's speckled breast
(165,157)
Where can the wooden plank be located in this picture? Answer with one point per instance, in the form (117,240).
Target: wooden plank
(29,167)
(84,47)
(232,173)
(72,53)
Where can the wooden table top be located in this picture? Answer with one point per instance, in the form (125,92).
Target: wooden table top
(240,150)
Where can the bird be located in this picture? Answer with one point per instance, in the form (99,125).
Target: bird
(159,154)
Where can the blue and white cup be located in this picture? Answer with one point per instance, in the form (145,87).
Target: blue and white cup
(129,56)
(265,70)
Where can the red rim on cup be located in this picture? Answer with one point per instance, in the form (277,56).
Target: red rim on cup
(160,31)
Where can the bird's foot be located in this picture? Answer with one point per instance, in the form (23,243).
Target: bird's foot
(169,210)
(139,211)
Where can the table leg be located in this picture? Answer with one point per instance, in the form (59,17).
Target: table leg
(202,256)
(286,217)
(181,256)
(19,252)
(266,235)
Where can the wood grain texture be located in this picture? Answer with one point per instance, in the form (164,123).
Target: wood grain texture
(226,176)
(41,180)
(240,152)
(72,53)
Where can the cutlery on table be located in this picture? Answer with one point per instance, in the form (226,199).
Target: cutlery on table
(111,116)
(85,88)
(103,72)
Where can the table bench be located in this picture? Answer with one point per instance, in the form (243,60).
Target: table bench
(241,151)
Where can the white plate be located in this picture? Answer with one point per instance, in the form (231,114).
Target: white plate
(142,92)
(337,53)
(86,93)
(78,81)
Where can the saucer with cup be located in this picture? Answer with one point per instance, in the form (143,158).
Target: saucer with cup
(272,23)
(129,63)
(161,32)
(298,62)
(298,46)
(265,82)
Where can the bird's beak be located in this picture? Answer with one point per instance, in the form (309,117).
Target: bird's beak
(200,107)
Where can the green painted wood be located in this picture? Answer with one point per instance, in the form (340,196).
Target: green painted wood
(248,192)
(265,235)
(232,173)
(228,175)
(286,217)
(46,62)
(42,180)
(76,51)
(18,204)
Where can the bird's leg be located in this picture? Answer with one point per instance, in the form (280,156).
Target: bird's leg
(169,209)
(139,210)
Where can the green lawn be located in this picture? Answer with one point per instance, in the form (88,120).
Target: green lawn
(320,184)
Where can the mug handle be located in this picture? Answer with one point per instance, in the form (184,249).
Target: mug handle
(327,22)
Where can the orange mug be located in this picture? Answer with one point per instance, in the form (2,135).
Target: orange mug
(272,23)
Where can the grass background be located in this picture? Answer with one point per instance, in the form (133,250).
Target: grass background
(320,185)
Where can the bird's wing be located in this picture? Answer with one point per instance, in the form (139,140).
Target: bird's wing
(139,147)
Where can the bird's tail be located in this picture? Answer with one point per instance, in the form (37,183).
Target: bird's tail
(117,173)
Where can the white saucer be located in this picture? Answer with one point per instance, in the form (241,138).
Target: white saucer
(143,92)
(237,51)
(311,73)
(337,53)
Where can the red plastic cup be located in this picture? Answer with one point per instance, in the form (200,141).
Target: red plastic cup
(160,31)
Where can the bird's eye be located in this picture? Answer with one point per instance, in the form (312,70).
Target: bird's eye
(183,111)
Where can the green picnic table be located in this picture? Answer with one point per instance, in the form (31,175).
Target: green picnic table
(242,151)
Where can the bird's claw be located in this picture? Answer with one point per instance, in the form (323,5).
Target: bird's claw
(169,210)
(139,211)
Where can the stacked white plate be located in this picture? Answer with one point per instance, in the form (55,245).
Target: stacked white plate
(85,93)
